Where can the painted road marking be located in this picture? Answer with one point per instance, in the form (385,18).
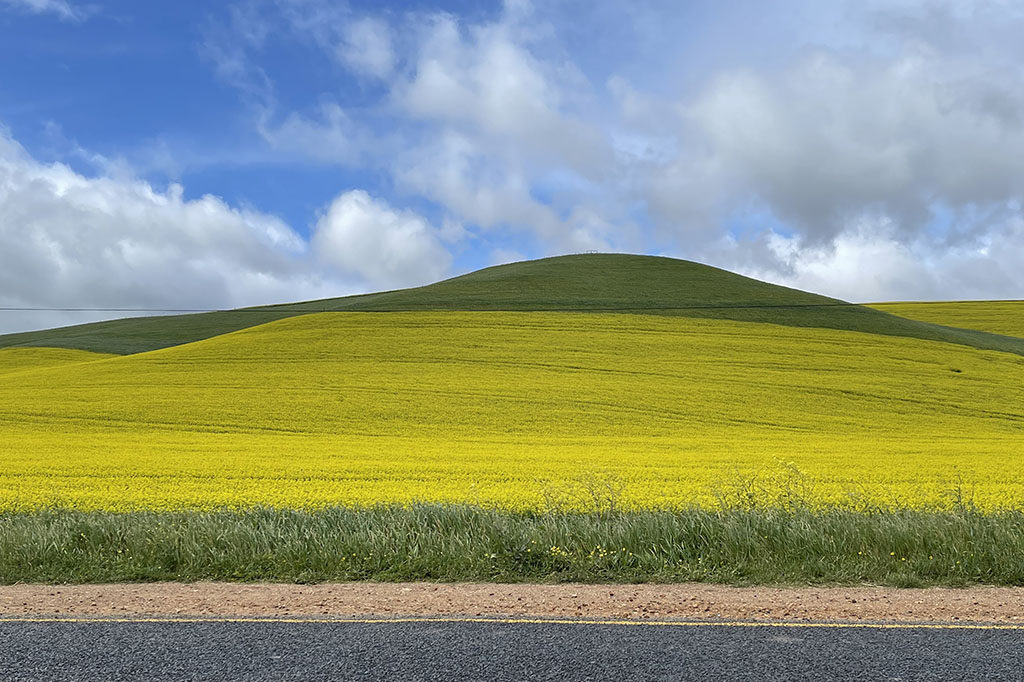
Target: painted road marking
(510,621)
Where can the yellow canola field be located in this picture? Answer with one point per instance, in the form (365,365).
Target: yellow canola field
(518,410)
(27,359)
(998,317)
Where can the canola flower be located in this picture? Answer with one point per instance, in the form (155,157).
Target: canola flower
(997,317)
(524,411)
(28,359)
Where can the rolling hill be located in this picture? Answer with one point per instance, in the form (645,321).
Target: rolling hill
(577,283)
(515,410)
(660,383)
(17,359)
(997,317)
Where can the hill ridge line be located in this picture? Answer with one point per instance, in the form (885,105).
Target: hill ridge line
(586,283)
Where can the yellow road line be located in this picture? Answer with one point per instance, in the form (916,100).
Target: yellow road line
(512,621)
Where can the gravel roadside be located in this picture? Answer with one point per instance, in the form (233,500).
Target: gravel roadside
(632,602)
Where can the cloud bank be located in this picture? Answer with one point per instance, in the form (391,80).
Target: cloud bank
(869,150)
(880,160)
(69,240)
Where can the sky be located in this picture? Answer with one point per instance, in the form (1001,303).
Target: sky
(214,155)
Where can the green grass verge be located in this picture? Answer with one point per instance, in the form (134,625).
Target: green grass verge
(578,283)
(462,543)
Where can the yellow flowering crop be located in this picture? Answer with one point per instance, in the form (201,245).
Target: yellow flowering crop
(517,410)
(998,317)
(27,359)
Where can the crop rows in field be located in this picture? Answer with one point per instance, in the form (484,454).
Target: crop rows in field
(997,317)
(28,359)
(518,411)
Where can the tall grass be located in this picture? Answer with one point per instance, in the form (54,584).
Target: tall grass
(463,543)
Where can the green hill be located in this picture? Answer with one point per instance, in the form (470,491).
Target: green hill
(582,283)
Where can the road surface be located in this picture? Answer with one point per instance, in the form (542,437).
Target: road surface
(496,650)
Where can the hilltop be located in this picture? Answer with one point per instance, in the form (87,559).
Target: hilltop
(577,283)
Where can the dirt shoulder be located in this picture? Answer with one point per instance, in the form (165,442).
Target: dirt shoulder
(634,602)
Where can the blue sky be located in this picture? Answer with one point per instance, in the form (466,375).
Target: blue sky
(199,154)
(132,82)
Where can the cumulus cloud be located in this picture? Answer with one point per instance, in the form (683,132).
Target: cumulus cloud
(894,173)
(111,242)
(877,142)
(483,123)
(362,235)
(68,240)
(871,264)
(828,141)
(366,47)
(513,148)
(456,172)
(488,81)
(867,150)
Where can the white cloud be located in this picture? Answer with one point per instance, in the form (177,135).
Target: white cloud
(387,248)
(366,47)
(487,82)
(508,146)
(68,240)
(457,173)
(329,137)
(62,8)
(871,264)
(830,140)
(881,143)
(361,43)
(889,175)
(114,242)
(481,121)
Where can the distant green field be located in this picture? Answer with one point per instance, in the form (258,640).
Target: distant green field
(579,283)
(998,317)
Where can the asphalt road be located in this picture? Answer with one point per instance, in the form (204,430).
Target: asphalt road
(498,651)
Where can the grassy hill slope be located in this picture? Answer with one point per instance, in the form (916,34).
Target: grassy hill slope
(585,283)
(997,317)
(519,410)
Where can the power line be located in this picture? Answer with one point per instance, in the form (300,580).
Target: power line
(291,308)
(285,308)
(15,309)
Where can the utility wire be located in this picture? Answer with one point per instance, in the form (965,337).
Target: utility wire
(16,309)
(288,308)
